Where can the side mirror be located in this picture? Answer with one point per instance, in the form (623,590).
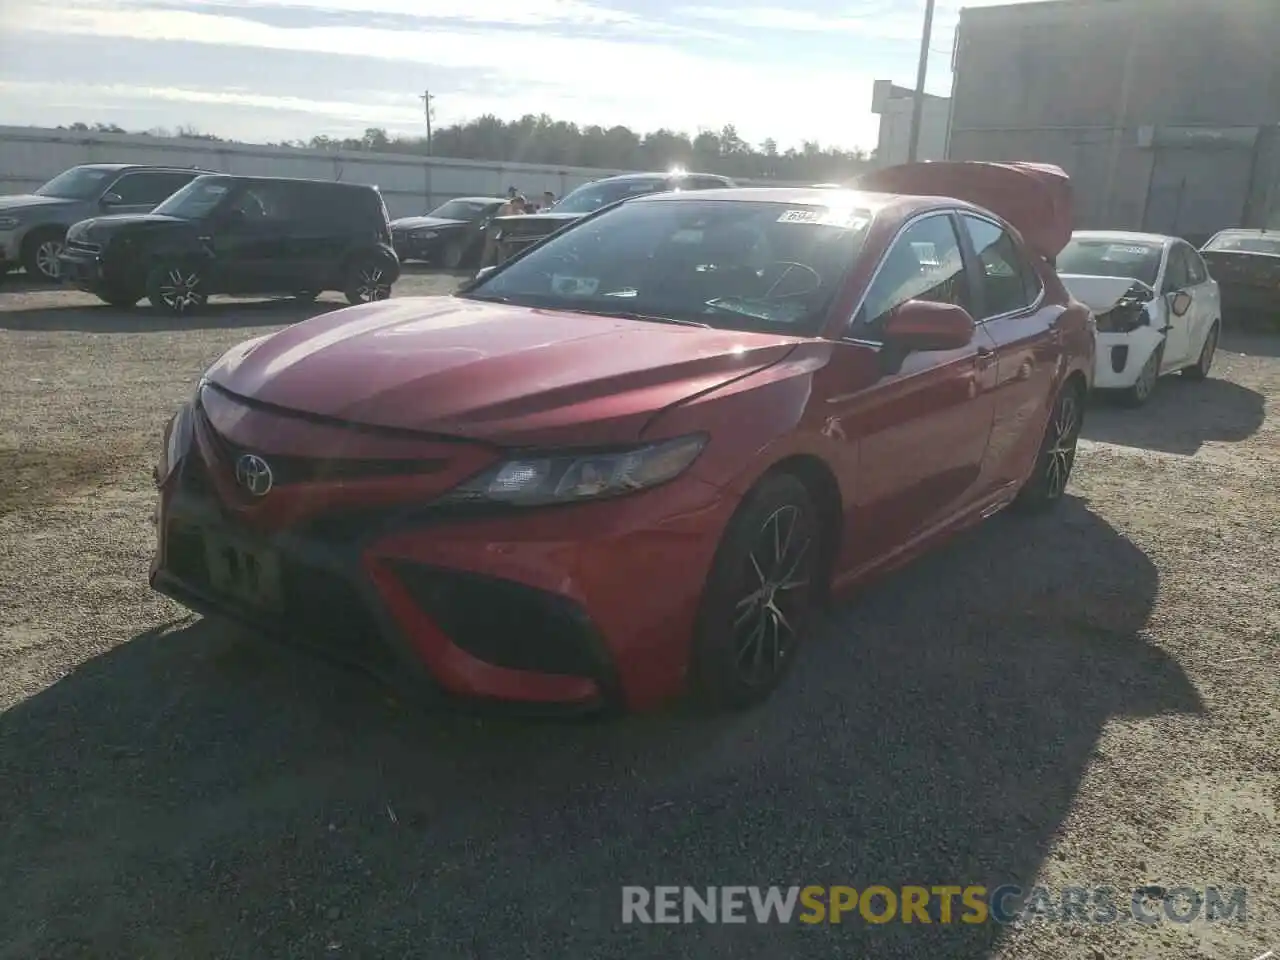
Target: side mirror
(110,200)
(1180,303)
(483,272)
(923,325)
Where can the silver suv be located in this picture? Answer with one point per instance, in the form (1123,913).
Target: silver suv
(32,226)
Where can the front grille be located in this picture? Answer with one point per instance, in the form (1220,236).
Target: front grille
(291,470)
(507,624)
(83,246)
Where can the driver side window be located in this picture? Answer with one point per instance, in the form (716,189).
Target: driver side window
(1176,276)
(924,263)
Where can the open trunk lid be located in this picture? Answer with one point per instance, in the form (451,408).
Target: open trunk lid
(1035,198)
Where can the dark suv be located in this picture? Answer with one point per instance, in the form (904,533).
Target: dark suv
(240,236)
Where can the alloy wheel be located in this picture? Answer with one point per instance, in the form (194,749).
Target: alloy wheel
(1064,432)
(371,284)
(769,614)
(47,254)
(1146,382)
(1206,354)
(180,290)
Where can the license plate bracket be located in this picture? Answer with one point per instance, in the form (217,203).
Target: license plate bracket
(248,573)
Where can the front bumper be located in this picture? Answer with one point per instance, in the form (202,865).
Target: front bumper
(82,268)
(11,246)
(578,607)
(1121,356)
(410,248)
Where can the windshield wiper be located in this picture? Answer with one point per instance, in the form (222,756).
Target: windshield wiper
(628,315)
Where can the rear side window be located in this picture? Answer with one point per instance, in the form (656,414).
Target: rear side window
(1009,281)
(149,186)
(340,207)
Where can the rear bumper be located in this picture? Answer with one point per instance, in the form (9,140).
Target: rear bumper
(1121,356)
(576,608)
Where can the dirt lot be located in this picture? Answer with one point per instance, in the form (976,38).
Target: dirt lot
(1090,698)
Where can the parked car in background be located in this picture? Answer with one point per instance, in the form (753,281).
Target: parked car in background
(1246,264)
(1158,311)
(452,235)
(638,456)
(238,235)
(33,226)
(515,233)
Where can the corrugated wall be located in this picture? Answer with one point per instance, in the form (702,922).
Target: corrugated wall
(1158,109)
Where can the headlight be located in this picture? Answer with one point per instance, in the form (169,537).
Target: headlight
(424,235)
(178,435)
(570,478)
(9,223)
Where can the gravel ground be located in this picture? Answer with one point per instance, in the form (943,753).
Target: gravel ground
(1088,698)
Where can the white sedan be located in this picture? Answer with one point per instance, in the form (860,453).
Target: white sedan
(1157,308)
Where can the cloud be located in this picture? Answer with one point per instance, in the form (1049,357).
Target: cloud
(569,58)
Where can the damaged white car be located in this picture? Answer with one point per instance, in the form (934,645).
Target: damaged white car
(1157,308)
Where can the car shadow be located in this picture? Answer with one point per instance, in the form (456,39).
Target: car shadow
(1251,344)
(194,792)
(217,314)
(1181,416)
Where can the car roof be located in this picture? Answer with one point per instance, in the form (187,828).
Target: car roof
(809,196)
(1247,232)
(322,183)
(1124,236)
(623,177)
(117,167)
(476,200)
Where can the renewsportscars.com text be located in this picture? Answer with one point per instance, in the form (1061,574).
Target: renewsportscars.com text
(971,904)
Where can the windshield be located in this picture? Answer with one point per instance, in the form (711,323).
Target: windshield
(1112,258)
(463,210)
(1245,243)
(743,265)
(196,200)
(592,196)
(78,183)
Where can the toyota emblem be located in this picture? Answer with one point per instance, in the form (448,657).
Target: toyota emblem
(253,474)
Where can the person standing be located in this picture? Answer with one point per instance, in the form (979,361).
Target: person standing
(513,206)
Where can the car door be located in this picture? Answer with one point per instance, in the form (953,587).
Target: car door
(1206,302)
(922,422)
(250,237)
(322,221)
(141,191)
(1008,302)
(1177,329)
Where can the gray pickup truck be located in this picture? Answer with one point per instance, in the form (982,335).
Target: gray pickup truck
(32,226)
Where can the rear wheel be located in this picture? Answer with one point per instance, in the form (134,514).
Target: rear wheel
(757,603)
(40,253)
(1200,371)
(1145,385)
(368,279)
(177,288)
(1048,480)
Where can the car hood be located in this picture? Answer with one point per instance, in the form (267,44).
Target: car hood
(96,228)
(1100,294)
(425,223)
(1036,198)
(510,375)
(25,201)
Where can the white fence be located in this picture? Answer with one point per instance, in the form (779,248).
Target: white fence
(410,185)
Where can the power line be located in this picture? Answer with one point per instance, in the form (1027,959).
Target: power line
(426,97)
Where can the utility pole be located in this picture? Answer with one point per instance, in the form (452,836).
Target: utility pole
(917,104)
(426,99)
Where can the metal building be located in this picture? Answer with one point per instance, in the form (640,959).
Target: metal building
(1166,113)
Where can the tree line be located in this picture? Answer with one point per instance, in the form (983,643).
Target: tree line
(543,140)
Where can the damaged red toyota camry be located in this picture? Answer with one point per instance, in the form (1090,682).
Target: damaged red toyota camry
(630,461)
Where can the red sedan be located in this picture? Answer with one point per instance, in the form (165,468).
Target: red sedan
(633,459)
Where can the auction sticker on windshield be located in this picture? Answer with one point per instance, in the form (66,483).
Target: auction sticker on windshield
(849,219)
(574,286)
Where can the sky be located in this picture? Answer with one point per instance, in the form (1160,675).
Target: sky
(272,70)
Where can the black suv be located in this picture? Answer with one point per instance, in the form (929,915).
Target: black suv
(240,236)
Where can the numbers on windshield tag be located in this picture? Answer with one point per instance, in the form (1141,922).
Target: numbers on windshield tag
(574,286)
(802,216)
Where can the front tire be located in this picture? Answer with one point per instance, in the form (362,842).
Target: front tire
(1141,391)
(758,600)
(177,288)
(1048,480)
(40,254)
(368,280)
(1200,371)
